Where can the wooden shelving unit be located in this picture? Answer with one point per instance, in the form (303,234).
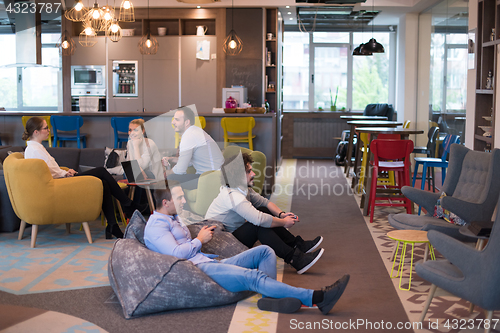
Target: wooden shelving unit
(488,19)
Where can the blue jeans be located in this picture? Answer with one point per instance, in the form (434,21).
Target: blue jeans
(253,270)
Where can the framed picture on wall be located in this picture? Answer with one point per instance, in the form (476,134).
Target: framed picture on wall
(471,49)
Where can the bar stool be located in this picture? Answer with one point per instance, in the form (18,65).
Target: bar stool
(198,121)
(120,128)
(238,125)
(390,155)
(68,124)
(47,119)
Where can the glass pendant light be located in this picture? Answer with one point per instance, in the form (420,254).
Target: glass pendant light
(372,45)
(148,43)
(126,11)
(232,43)
(66,44)
(77,12)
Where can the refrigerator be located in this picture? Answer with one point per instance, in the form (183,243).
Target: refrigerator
(125,78)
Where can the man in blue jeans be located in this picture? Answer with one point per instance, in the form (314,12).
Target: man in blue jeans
(253,270)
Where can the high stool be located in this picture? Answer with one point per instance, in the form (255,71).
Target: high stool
(68,124)
(238,125)
(408,237)
(47,119)
(390,155)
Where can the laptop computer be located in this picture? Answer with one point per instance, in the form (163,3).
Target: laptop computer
(133,172)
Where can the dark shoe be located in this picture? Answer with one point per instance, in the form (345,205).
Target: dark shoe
(113,230)
(310,246)
(331,294)
(303,261)
(280,305)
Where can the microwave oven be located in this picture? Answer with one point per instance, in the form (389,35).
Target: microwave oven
(89,78)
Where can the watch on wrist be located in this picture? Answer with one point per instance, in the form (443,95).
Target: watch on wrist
(279,215)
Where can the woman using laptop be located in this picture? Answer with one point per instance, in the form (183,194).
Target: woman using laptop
(144,150)
(36,131)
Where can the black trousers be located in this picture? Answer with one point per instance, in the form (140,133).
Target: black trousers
(279,239)
(110,189)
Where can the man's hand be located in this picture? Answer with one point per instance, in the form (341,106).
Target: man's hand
(289,221)
(295,217)
(71,173)
(206,233)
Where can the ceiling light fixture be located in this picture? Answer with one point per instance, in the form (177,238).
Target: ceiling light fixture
(88,36)
(114,32)
(361,50)
(95,18)
(127,13)
(232,43)
(66,44)
(77,12)
(148,44)
(372,45)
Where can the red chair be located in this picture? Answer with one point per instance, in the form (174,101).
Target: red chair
(390,155)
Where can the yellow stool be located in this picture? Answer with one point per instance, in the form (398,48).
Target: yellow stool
(238,125)
(407,124)
(47,119)
(406,237)
(198,121)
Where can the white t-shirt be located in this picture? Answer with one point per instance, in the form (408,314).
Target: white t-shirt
(37,150)
(198,149)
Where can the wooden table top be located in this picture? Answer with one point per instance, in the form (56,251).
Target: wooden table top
(388,130)
(375,123)
(361,117)
(409,236)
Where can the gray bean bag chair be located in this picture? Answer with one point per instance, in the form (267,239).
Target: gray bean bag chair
(148,282)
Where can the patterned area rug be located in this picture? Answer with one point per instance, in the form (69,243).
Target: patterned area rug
(446,313)
(59,261)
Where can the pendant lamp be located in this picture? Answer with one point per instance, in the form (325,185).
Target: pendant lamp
(148,43)
(77,12)
(232,43)
(361,50)
(88,37)
(66,44)
(114,31)
(109,15)
(127,13)
(95,18)
(372,45)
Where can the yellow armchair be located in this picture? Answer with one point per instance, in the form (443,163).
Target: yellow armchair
(39,199)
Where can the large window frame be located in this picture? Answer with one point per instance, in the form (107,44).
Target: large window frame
(350,45)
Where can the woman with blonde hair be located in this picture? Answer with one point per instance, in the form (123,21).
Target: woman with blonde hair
(36,131)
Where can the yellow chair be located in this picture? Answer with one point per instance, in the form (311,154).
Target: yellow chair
(47,119)
(39,199)
(407,124)
(198,121)
(238,125)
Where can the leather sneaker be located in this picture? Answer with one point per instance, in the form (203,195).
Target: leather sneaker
(303,261)
(280,305)
(331,294)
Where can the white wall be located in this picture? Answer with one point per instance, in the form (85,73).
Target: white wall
(424,73)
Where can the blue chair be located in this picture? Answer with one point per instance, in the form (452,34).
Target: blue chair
(68,124)
(120,124)
(434,162)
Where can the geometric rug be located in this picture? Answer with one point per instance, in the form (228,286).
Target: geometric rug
(59,261)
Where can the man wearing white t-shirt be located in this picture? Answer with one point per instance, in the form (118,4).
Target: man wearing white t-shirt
(196,149)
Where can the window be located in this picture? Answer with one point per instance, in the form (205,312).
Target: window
(30,88)
(319,71)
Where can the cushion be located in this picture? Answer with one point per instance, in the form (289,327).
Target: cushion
(223,242)
(117,168)
(148,282)
(445,214)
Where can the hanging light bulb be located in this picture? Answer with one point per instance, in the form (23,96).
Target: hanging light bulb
(87,37)
(127,13)
(77,13)
(114,31)
(148,44)
(89,31)
(232,44)
(95,18)
(66,44)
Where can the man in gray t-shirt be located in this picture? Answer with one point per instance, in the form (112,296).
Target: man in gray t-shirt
(251,217)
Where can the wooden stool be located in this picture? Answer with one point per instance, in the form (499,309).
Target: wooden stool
(405,237)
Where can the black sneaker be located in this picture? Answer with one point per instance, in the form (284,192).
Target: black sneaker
(303,261)
(331,294)
(311,245)
(280,305)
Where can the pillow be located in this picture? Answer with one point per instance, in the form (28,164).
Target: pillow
(445,214)
(113,163)
(135,227)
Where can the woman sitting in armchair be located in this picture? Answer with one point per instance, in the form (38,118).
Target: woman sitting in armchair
(36,131)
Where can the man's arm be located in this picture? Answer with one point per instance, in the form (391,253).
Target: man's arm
(165,243)
(277,211)
(246,210)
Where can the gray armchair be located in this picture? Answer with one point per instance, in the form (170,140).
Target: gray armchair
(472,187)
(466,272)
